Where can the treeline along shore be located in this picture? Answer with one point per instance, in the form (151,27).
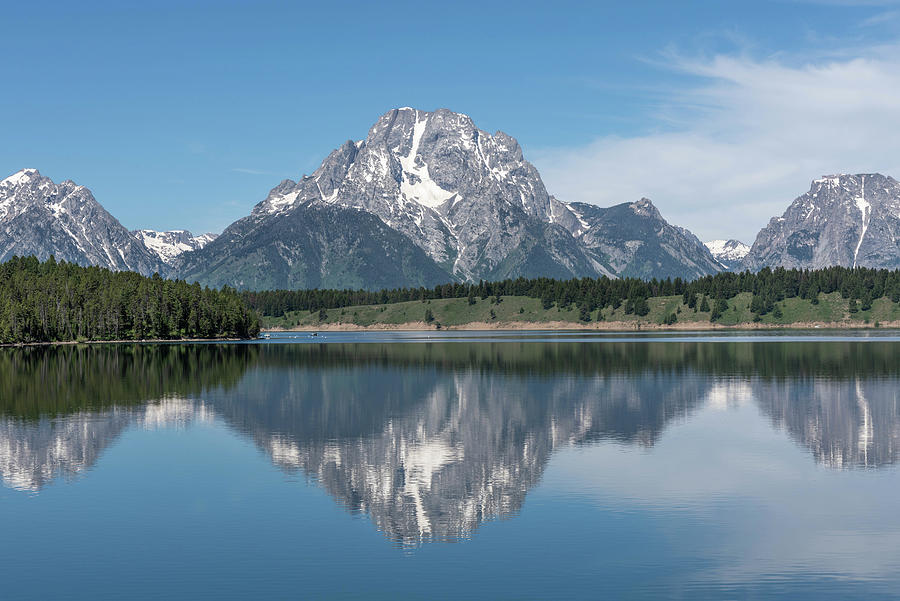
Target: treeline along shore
(50,301)
(835,296)
(54,301)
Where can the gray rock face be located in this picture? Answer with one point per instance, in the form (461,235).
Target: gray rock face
(39,217)
(729,253)
(467,198)
(311,246)
(470,201)
(633,239)
(168,246)
(426,198)
(845,220)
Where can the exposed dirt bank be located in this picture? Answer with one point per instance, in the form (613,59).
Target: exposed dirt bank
(603,326)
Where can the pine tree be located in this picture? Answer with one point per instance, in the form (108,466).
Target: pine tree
(720,307)
(641,307)
(584,314)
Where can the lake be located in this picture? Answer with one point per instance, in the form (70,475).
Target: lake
(427,465)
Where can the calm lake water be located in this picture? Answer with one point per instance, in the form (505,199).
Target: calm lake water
(454,466)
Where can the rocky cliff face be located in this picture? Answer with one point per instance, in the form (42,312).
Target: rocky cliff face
(39,217)
(468,199)
(462,195)
(846,220)
(426,198)
(633,239)
(312,246)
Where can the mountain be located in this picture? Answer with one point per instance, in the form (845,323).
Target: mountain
(169,245)
(42,218)
(846,220)
(729,253)
(467,199)
(634,240)
(312,246)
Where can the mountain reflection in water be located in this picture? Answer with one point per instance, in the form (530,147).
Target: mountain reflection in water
(429,440)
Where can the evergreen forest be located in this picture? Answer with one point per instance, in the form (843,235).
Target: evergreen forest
(54,301)
(711,293)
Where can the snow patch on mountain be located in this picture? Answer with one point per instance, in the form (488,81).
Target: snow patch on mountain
(729,253)
(416,183)
(170,244)
(470,201)
(42,218)
(864,209)
(843,220)
(734,250)
(19,177)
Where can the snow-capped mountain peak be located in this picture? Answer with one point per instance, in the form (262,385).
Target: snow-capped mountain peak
(466,198)
(42,218)
(432,176)
(416,183)
(169,245)
(20,177)
(846,219)
(727,249)
(729,253)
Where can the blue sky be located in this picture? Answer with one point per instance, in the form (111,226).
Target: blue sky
(184,114)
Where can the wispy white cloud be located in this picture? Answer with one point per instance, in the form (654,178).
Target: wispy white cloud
(735,149)
(251,171)
(881,18)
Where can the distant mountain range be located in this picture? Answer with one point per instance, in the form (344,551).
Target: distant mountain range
(168,246)
(729,253)
(427,198)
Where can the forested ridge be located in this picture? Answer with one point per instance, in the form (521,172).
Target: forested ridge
(54,301)
(768,287)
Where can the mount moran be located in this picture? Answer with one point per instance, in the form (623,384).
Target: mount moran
(427,198)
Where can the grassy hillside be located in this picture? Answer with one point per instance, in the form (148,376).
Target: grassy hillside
(517,311)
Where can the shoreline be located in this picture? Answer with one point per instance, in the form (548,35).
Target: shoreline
(603,326)
(124,341)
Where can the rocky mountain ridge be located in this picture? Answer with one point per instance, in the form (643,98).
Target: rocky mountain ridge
(843,220)
(468,199)
(426,198)
(635,241)
(42,218)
